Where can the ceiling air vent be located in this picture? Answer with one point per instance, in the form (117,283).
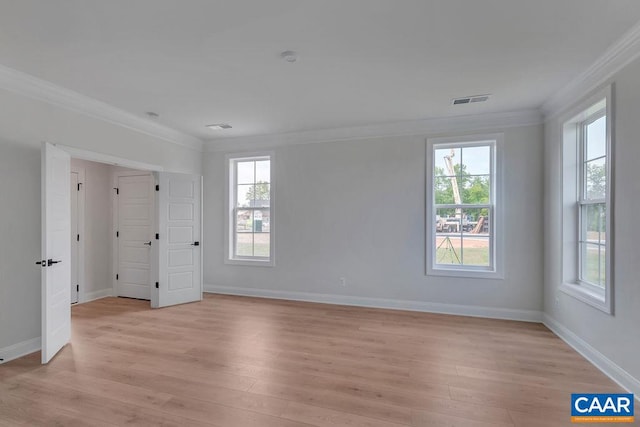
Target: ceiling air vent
(470,99)
(219,126)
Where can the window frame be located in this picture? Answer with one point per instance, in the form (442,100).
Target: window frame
(231,162)
(495,270)
(573,146)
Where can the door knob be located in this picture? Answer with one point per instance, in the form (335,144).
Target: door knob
(195,244)
(148,243)
(50,262)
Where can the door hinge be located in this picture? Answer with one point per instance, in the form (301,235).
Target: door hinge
(117,190)
(117,276)
(117,234)
(79,184)
(157,236)
(77,238)
(157,285)
(157,187)
(77,288)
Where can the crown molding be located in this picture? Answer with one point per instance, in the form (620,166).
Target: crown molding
(27,85)
(616,57)
(478,122)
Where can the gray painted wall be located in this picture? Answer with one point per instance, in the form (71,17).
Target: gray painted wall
(98,239)
(19,242)
(357,210)
(616,336)
(24,124)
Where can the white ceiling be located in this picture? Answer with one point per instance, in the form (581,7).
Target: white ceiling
(197,62)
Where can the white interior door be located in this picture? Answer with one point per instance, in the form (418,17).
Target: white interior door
(74,236)
(56,257)
(180,243)
(135,230)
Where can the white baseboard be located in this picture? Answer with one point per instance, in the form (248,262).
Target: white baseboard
(429,307)
(20,349)
(92,296)
(599,360)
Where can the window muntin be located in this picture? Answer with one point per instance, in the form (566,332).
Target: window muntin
(463,214)
(251,213)
(592,201)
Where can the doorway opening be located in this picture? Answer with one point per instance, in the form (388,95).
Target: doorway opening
(153,219)
(112,227)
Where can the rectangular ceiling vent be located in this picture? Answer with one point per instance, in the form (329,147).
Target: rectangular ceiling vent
(471,99)
(219,126)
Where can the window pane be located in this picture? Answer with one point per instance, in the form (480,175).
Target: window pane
(590,263)
(476,221)
(262,220)
(597,138)
(447,162)
(263,171)
(259,195)
(596,179)
(593,223)
(475,250)
(476,160)
(603,223)
(448,249)
(244,195)
(446,221)
(603,266)
(262,244)
(244,244)
(245,172)
(244,221)
(443,190)
(475,189)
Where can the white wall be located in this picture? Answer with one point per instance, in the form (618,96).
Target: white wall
(357,210)
(615,337)
(98,238)
(24,124)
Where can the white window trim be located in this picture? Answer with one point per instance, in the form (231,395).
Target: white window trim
(570,146)
(230,220)
(497,221)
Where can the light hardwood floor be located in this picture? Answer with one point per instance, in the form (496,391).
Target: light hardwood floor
(237,361)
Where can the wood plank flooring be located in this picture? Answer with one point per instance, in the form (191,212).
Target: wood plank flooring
(237,361)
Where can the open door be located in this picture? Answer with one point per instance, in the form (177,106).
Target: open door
(179,248)
(56,252)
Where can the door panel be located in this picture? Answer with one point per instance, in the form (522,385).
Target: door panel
(56,233)
(135,227)
(73,189)
(179,256)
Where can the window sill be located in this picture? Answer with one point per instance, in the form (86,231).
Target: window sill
(471,274)
(250,262)
(592,297)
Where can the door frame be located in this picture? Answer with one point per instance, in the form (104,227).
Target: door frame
(115,224)
(81,231)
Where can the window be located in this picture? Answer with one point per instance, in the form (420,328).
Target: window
(462,195)
(250,210)
(587,203)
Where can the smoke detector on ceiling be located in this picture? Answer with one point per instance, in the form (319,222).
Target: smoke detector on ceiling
(471,99)
(289,56)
